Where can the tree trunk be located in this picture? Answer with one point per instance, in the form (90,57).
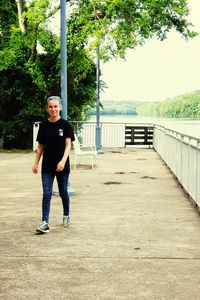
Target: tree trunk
(34,51)
(20,12)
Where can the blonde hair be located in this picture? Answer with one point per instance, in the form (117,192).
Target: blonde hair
(57,98)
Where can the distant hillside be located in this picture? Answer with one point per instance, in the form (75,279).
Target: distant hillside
(183,106)
(111,107)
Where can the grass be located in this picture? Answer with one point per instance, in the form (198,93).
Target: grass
(16,151)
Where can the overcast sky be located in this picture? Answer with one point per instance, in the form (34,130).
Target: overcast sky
(157,70)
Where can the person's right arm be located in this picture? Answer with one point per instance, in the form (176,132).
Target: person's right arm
(39,152)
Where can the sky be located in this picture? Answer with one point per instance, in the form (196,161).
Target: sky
(158,70)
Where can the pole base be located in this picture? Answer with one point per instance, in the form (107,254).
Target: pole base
(100,151)
(69,189)
(70,193)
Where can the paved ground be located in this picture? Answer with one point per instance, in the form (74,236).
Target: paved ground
(134,233)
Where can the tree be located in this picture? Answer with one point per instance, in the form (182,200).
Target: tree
(184,106)
(128,23)
(28,76)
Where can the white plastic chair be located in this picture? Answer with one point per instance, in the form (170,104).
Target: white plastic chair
(79,152)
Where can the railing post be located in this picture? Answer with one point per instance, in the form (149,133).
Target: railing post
(181,158)
(197,171)
(189,141)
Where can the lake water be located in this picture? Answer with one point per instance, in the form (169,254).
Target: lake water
(121,119)
(189,127)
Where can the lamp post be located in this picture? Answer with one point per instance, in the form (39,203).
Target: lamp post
(98,15)
(63,46)
(98,127)
(63,79)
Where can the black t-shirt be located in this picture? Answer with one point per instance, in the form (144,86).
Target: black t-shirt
(53,135)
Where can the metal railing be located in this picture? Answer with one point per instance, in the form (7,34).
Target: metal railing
(181,153)
(112,134)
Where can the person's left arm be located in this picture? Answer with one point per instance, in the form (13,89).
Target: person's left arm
(61,164)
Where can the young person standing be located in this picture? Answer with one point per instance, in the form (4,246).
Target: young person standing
(54,139)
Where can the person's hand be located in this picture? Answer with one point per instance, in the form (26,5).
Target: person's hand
(35,169)
(60,166)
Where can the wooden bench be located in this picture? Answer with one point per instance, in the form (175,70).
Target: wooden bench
(138,135)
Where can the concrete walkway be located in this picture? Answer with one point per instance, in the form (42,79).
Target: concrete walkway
(134,233)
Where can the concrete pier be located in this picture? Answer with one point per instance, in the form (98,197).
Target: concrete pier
(135,234)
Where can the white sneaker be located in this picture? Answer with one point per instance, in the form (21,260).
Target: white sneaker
(43,227)
(66,221)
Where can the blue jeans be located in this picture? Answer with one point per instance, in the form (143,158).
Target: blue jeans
(47,184)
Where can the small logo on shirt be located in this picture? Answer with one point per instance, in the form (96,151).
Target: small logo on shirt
(60,132)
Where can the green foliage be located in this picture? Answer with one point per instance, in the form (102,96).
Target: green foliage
(24,86)
(28,77)
(81,75)
(8,17)
(128,23)
(123,107)
(184,106)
